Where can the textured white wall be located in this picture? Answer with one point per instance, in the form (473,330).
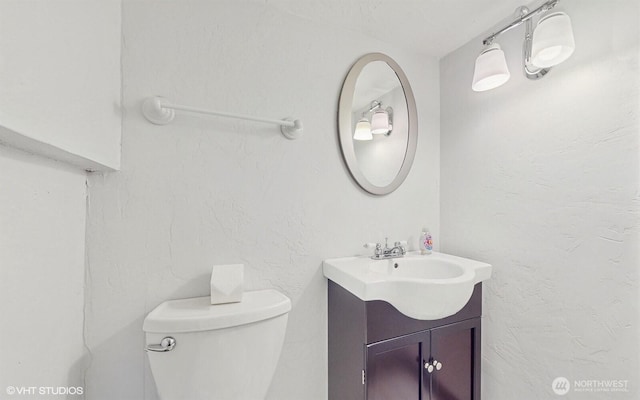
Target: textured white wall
(205,191)
(42,237)
(60,79)
(541,180)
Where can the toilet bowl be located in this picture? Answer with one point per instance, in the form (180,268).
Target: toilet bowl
(199,351)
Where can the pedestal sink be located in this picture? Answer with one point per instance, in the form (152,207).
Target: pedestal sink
(424,287)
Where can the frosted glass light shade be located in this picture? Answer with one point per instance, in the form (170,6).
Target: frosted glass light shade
(363,130)
(380,122)
(552,40)
(491,69)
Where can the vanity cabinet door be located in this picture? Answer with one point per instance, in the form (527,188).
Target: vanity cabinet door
(457,348)
(394,368)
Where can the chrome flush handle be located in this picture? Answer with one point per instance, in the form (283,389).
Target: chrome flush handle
(166,344)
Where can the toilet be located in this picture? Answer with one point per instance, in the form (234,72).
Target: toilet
(199,351)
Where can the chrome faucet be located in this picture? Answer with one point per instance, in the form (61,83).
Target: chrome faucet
(397,251)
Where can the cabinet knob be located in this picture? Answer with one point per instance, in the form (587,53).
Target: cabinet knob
(428,367)
(433,365)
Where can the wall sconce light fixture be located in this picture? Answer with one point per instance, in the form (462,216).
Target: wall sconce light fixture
(550,44)
(363,130)
(381,122)
(491,69)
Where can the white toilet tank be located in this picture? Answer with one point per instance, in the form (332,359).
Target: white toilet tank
(221,352)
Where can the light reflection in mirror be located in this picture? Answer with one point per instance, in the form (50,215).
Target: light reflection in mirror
(378,152)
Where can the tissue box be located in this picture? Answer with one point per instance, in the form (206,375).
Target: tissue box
(227,283)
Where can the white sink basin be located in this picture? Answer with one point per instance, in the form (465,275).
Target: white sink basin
(426,287)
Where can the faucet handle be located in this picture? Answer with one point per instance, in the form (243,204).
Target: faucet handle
(378,248)
(402,245)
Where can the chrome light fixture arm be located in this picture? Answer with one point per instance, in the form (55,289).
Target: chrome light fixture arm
(530,71)
(552,44)
(375,105)
(522,15)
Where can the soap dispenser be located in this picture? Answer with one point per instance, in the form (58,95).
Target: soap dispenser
(426,242)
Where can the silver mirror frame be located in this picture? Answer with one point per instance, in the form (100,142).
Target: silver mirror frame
(344,125)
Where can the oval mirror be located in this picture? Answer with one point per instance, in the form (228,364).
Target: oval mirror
(377,122)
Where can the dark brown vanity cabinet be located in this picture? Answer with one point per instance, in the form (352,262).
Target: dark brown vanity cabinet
(377,353)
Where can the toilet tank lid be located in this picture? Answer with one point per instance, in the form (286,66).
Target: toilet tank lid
(197,314)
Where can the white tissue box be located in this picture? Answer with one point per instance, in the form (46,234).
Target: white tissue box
(227,283)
